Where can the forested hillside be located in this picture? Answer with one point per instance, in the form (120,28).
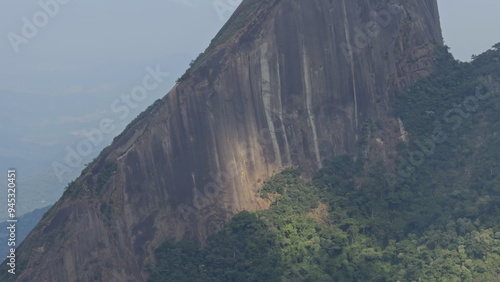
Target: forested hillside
(435,216)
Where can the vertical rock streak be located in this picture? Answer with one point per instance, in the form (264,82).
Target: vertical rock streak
(308,97)
(351,61)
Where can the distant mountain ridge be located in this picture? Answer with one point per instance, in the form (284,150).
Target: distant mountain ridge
(25,224)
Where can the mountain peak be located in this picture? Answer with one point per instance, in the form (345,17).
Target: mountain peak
(283,84)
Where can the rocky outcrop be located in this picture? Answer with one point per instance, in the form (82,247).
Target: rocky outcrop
(285,83)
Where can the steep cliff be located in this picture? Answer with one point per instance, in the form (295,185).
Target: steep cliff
(285,83)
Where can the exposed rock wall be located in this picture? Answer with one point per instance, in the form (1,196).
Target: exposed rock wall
(292,87)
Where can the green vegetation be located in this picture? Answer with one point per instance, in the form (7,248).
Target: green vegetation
(240,18)
(73,190)
(105,174)
(244,250)
(439,222)
(136,120)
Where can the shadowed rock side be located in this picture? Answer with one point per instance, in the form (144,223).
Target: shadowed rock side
(291,87)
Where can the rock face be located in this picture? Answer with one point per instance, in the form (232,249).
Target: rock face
(285,83)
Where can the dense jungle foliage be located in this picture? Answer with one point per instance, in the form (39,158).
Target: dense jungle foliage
(435,218)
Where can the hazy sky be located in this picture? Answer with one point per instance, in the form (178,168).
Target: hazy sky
(73,62)
(64,63)
(470,27)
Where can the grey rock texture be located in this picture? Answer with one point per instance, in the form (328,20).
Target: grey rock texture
(286,83)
